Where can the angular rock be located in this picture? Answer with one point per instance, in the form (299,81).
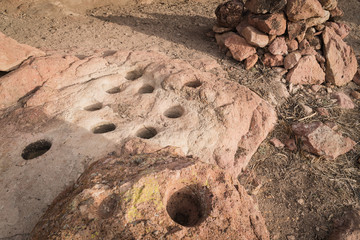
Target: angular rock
(341,63)
(355,94)
(321,140)
(229,14)
(171,193)
(278,46)
(277,143)
(218,29)
(343,100)
(291,60)
(265,6)
(297,10)
(255,37)
(117,104)
(273,60)
(220,40)
(307,71)
(239,47)
(341,29)
(291,144)
(296,30)
(311,22)
(273,24)
(14,53)
(251,61)
(306,49)
(329,4)
(348,227)
(336,13)
(292,45)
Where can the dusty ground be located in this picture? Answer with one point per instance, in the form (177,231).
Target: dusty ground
(299,194)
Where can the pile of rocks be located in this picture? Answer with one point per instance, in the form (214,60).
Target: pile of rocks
(299,35)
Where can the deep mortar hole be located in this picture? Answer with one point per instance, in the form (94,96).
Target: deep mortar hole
(146,89)
(94,107)
(186,206)
(114,90)
(36,149)
(146,133)
(193,84)
(104,128)
(174,112)
(135,74)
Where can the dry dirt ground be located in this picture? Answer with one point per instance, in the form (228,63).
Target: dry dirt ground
(299,194)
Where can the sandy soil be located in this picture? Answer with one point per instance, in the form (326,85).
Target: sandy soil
(299,194)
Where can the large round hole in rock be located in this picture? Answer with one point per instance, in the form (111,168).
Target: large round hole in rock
(94,107)
(193,84)
(135,74)
(146,89)
(104,128)
(36,149)
(174,112)
(114,90)
(186,207)
(146,133)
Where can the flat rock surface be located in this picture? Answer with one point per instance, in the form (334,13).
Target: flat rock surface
(100,103)
(153,196)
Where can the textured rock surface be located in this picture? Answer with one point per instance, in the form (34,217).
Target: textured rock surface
(239,47)
(291,60)
(229,13)
(303,9)
(14,53)
(153,196)
(265,6)
(278,46)
(341,64)
(98,104)
(273,24)
(271,60)
(321,140)
(251,61)
(307,71)
(255,37)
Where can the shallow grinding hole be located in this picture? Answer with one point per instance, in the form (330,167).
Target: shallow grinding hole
(36,149)
(135,74)
(146,89)
(104,128)
(146,133)
(186,207)
(174,112)
(94,107)
(193,84)
(113,90)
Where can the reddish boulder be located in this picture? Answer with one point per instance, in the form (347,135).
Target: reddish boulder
(251,61)
(220,40)
(341,29)
(297,10)
(321,140)
(278,46)
(239,47)
(272,24)
(265,6)
(255,37)
(296,30)
(307,71)
(347,227)
(14,53)
(273,60)
(343,100)
(218,29)
(306,49)
(229,14)
(311,22)
(291,60)
(292,45)
(341,63)
(329,4)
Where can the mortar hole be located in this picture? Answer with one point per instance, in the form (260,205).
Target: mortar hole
(193,84)
(135,74)
(174,112)
(104,128)
(94,107)
(113,90)
(36,149)
(146,133)
(146,89)
(186,207)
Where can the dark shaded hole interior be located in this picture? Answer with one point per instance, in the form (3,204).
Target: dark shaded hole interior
(3,73)
(36,149)
(186,207)
(104,128)
(135,74)
(94,107)
(174,112)
(193,84)
(146,133)
(146,89)
(114,90)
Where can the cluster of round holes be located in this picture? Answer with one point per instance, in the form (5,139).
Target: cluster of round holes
(114,90)
(193,84)
(174,112)
(104,128)
(186,207)
(147,88)
(94,107)
(135,74)
(36,149)
(146,133)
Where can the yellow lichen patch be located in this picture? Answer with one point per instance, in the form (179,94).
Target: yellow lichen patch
(146,191)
